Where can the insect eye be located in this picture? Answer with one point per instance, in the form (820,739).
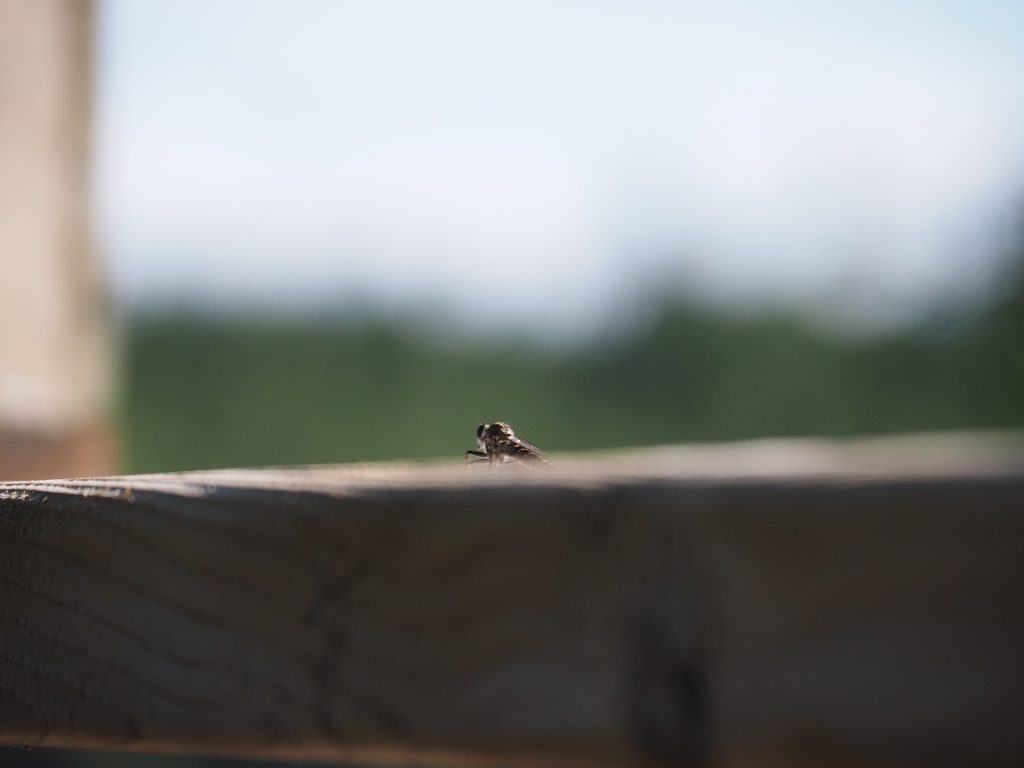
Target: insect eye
(480,430)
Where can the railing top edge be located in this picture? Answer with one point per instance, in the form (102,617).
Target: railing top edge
(881,459)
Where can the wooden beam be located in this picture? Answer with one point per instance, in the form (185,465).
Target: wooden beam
(799,603)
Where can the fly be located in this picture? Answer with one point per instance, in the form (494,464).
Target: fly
(498,444)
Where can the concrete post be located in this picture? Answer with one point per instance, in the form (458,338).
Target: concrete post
(55,347)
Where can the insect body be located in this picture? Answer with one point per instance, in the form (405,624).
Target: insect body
(498,444)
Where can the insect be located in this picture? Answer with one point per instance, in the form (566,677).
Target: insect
(498,444)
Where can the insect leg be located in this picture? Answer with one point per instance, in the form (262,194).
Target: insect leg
(478,456)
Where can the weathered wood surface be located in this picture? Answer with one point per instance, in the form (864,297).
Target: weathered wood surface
(789,603)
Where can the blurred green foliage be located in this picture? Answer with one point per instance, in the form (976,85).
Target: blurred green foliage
(209,391)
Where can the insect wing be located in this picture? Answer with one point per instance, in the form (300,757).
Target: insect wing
(525,447)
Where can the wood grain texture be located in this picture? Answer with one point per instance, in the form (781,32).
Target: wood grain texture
(753,604)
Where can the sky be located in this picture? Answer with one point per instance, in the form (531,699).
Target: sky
(552,164)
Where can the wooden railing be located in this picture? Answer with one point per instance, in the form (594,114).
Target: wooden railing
(778,603)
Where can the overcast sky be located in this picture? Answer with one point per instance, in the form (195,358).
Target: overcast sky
(557,157)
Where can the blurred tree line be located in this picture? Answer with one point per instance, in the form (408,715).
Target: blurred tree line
(208,391)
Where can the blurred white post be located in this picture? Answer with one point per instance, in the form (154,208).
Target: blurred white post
(56,372)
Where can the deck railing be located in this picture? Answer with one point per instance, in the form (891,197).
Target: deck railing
(775,603)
